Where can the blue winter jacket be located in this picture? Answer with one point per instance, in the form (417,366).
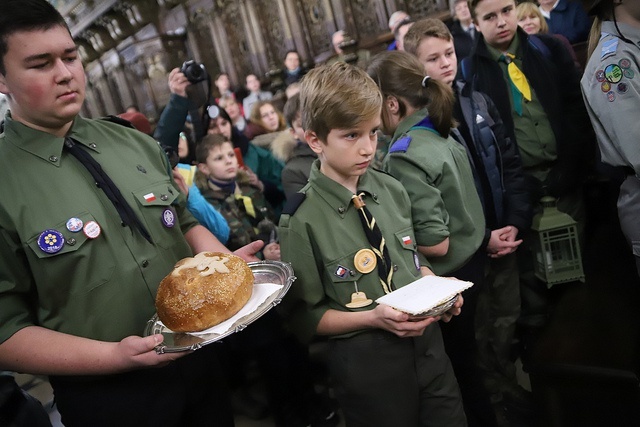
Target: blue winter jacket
(495,161)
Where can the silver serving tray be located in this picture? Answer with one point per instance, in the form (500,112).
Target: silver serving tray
(277,272)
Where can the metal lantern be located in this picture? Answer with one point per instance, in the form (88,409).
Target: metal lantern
(556,248)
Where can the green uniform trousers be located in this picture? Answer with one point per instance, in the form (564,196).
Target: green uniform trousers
(376,370)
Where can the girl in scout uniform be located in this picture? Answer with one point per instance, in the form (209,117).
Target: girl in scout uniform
(611,89)
(386,369)
(448,217)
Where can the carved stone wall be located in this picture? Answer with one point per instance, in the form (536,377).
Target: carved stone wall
(317,20)
(130,46)
(419,8)
(231,31)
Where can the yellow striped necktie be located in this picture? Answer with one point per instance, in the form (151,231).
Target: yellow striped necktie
(377,242)
(519,85)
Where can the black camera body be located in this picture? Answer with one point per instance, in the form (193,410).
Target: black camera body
(193,71)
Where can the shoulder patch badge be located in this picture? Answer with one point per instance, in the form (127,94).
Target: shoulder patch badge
(609,47)
(401,145)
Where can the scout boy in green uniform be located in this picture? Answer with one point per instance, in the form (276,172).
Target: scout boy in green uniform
(349,237)
(79,262)
(431,162)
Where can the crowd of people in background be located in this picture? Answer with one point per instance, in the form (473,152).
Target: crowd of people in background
(472,123)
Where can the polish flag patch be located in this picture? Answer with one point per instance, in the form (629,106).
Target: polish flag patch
(149,197)
(406,240)
(341,272)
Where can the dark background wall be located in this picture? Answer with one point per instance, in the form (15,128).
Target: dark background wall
(129,47)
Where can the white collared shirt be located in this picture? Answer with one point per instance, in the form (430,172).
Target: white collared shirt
(546,14)
(471,29)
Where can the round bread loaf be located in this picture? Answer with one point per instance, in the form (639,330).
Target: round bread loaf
(203,291)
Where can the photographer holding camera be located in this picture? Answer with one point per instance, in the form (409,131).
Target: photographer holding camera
(174,115)
(167,133)
(193,71)
(172,121)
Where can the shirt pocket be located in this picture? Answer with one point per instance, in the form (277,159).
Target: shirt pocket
(160,218)
(343,274)
(409,252)
(74,258)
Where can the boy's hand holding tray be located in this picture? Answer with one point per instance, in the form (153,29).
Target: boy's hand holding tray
(428,296)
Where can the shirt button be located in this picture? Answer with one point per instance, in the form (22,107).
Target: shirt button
(395,267)
(53,159)
(145,264)
(93,145)
(71,241)
(341,209)
(164,197)
(375,197)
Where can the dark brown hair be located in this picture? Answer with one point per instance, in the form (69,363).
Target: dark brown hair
(208,143)
(401,75)
(292,109)
(256,115)
(25,15)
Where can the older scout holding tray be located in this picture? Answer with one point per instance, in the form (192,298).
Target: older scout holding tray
(80,264)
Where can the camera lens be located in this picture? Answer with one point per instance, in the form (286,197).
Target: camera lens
(193,71)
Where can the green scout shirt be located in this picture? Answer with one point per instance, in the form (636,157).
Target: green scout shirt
(534,135)
(102,288)
(444,202)
(322,237)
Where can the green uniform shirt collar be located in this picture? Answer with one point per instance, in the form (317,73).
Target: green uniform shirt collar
(512,49)
(45,145)
(409,121)
(336,195)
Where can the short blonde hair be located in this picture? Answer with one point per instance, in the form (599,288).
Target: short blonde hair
(226,100)
(528,8)
(422,29)
(337,96)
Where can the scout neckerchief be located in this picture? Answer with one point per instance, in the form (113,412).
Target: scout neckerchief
(377,242)
(248,204)
(427,124)
(127,214)
(518,82)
